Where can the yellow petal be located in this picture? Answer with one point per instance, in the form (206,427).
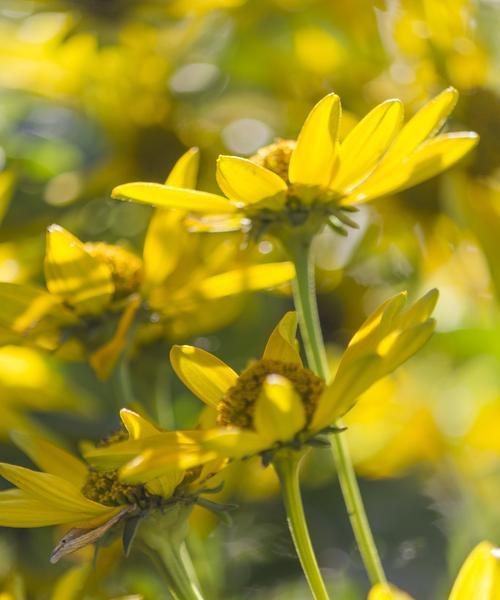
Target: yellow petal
(375,327)
(165,485)
(385,591)
(18,509)
(70,584)
(51,458)
(314,158)
(419,311)
(399,346)
(72,273)
(177,452)
(167,196)
(428,160)
(366,143)
(164,243)
(246,279)
(204,374)
(51,489)
(282,344)
(185,171)
(104,359)
(279,412)
(137,427)
(479,577)
(351,380)
(425,123)
(245,183)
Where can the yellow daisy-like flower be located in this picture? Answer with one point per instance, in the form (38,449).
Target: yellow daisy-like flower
(95,290)
(317,179)
(92,500)
(277,403)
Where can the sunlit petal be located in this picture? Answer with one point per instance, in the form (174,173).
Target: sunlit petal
(204,374)
(314,158)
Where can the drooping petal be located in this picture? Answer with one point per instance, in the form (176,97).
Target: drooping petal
(137,426)
(51,489)
(185,171)
(430,159)
(479,576)
(167,196)
(366,143)
(51,458)
(73,274)
(425,123)
(246,279)
(282,344)
(104,359)
(204,374)
(314,158)
(24,307)
(245,182)
(279,411)
(18,509)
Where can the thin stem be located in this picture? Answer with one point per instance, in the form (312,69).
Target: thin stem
(181,585)
(307,310)
(124,381)
(287,468)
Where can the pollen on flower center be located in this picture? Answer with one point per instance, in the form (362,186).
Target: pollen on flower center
(105,487)
(238,404)
(276,157)
(126,267)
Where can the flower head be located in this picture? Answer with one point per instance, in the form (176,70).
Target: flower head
(276,402)
(316,179)
(91,500)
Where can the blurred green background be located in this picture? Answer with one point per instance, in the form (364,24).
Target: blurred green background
(94,93)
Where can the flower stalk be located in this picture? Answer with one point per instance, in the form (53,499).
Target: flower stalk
(164,533)
(287,466)
(304,291)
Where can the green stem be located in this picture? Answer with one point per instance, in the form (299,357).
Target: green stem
(182,587)
(124,380)
(310,328)
(287,468)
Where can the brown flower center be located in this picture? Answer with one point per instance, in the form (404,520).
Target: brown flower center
(238,404)
(105,487)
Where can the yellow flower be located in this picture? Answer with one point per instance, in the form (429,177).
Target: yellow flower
(91,500)
(277,403)
(478,579)
(317,179)
(95,290)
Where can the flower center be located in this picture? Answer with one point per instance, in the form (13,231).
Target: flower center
(276,157)
(126,267)
(105,487)
(238,404)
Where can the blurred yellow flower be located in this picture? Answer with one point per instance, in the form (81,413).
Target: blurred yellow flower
(276,403)
(315,179)
(89,282)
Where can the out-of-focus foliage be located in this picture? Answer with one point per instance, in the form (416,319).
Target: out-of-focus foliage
(96,93)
